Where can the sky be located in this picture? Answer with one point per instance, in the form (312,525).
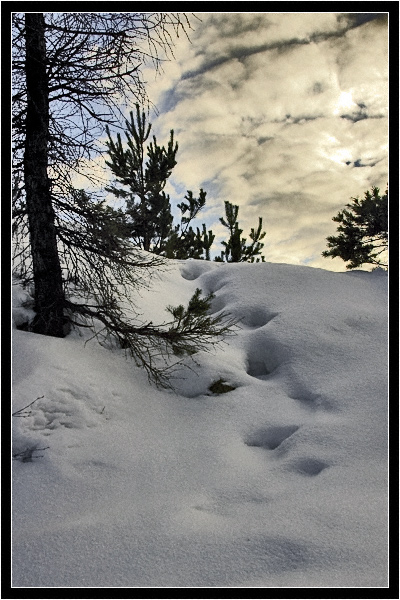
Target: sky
(283,114)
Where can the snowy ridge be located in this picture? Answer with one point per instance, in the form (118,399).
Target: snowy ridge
(280,482)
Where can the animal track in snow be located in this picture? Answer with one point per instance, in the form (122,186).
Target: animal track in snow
(308,466)
(256,317)
(217,304)
(64,409)
(270,437)
(264,353)
(261,365)
(258,369)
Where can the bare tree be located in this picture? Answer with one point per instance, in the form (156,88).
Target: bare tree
(49,294)
(73,75)
(94,65)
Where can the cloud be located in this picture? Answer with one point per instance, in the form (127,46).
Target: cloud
(284,114)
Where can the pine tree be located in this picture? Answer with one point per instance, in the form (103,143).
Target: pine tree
(363,231)
(236,249)
(147,206)
(183,242)
(207,239)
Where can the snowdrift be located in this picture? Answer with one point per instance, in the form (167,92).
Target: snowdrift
(279,482)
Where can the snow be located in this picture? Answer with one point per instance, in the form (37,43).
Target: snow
(281,482)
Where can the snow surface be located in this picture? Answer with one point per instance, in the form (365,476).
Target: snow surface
(280,482)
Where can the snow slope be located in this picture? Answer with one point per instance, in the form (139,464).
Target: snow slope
(280,482)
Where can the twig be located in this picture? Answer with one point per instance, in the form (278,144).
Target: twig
(18,413)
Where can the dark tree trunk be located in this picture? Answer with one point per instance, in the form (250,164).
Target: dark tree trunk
(49,294)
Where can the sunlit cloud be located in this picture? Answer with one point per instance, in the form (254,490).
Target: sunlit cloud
(284,114)
(345,102)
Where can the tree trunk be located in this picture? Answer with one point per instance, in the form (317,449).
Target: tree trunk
(47,275)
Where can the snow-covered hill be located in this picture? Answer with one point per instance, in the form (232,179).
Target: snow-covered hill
(281,481)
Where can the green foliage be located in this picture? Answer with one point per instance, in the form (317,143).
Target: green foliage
(152,346)
(183,242)
(363,231)
(148,207)
(141,180)
(207,238)
(191,321)
(236,249)
(147,204)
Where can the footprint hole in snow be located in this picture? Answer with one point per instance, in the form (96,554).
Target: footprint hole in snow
(270,437)
(263,356)
(257,368)
(218,284)
(256,317)
(189,275)
(217,304)
(308,466)
(261,369)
